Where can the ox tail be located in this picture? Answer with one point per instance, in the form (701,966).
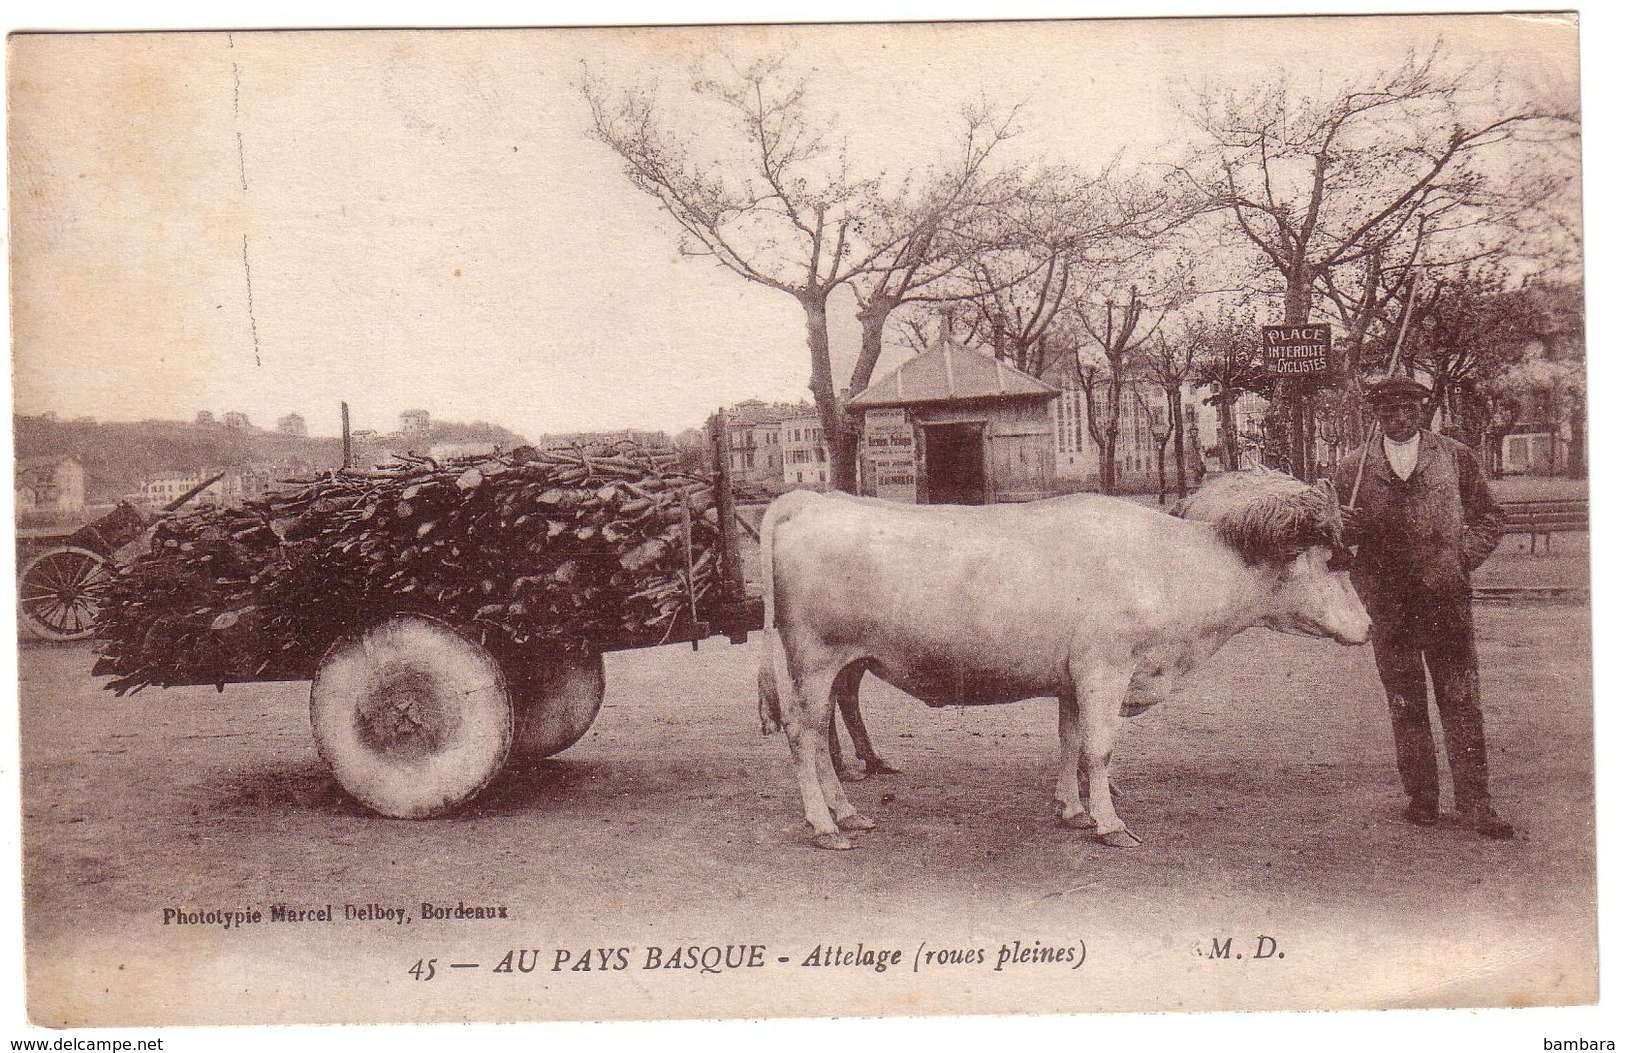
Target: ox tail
(767,675)
(772,656)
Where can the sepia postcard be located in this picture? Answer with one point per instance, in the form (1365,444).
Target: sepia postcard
(525,525)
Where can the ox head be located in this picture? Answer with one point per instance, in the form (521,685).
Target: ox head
(1292,533)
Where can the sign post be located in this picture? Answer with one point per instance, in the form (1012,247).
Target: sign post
(1299,357)
(1295,352)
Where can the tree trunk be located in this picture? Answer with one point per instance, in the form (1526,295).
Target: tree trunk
(839,436)
(1176,421)
(1577,440)
(872,318)
(1114,423)
(1285,430)
(1162,472)
(1108,463)
(1554,431)
(1493,437)
(1097,435)
(1311,444)
(1229,440)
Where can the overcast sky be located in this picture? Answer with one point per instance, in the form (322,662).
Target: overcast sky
(428,225)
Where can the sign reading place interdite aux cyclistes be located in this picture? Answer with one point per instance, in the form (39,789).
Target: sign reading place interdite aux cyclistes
(1297,350)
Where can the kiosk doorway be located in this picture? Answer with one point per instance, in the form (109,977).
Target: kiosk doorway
(955,466)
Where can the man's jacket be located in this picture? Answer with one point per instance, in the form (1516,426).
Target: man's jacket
(1427,533)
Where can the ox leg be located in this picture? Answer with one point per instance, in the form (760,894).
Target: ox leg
(1069,807)
(847,817)
(1101,692)
(841,770)
(846,697)
(1070,810)
(823,800)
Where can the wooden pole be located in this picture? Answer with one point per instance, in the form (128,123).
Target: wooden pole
(344,424)
(733,574)
(1393,367)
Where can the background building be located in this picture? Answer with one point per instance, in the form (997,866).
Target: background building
(756,441)
(52,486)
(806,458)
(230,490)
(955,426)
(446,451)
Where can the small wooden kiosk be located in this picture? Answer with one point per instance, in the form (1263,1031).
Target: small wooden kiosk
(955,426)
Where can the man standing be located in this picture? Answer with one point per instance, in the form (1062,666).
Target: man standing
(1424,520)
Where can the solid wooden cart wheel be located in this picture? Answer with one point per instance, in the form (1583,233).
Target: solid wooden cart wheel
(412,716)
(555,703)
(59,593)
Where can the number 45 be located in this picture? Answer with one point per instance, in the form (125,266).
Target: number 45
(423,970)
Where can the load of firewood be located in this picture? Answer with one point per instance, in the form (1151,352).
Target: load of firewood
(569,551)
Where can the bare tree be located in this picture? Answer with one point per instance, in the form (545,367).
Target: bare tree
(1493,351)
(934,236)
(1015,290)
(1228,359)
(1062,235)
(775,205)
(1317,184)
(1170,365)
(1119,325)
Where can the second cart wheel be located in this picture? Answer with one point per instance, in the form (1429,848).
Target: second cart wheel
(59,593)
(555,703)
(412,716)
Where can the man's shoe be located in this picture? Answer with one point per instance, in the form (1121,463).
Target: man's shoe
(1422,811)
(1486,823)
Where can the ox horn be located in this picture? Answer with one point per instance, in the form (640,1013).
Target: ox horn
(1334,515)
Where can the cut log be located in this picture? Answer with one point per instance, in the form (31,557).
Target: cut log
(413,717)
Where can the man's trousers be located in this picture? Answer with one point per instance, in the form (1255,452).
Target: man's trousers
(1410,633)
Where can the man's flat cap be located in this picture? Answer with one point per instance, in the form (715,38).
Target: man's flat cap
(1396,389)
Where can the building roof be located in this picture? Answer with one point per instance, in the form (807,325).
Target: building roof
(755,413)
(50,460)
(951,373)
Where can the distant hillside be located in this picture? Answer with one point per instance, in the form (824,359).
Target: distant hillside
(119,456)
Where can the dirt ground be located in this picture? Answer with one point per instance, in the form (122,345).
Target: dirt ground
(1267,800)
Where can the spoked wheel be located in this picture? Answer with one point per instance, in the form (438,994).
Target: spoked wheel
(412,716)
(60,593)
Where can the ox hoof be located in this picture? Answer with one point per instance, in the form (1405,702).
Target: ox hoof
(856,821)
(851,774)
(837,842)
(876,766)
(1119,839)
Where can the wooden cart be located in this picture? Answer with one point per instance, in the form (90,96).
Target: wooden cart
(415,716)
(61,571)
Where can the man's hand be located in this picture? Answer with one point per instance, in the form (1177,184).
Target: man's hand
(1354,524)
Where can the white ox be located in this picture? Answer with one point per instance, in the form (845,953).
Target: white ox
(1099,601)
